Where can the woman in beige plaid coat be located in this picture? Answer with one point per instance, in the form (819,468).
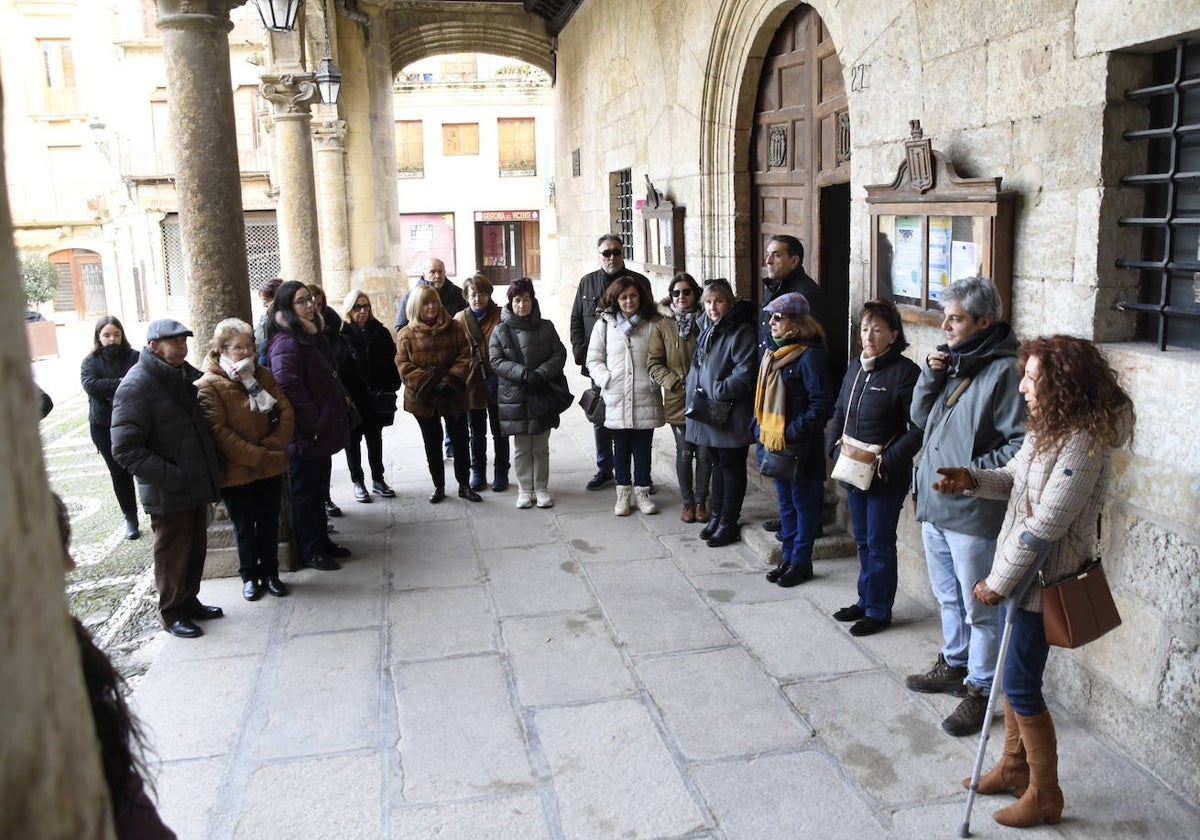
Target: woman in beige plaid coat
(1055,487)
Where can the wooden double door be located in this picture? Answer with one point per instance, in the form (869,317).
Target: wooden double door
(800,159)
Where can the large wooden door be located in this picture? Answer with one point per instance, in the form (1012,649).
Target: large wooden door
(801,156)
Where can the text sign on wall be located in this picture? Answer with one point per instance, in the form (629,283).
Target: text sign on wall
(506,215)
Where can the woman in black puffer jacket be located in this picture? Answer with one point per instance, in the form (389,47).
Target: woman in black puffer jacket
(101,372)
(873,407)
(527,355)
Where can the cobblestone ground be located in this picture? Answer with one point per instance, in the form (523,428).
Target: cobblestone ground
(112,588)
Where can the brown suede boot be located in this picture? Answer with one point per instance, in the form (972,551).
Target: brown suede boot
(1043,799)
(1011,773)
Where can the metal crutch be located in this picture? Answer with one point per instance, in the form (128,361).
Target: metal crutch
(1010,612)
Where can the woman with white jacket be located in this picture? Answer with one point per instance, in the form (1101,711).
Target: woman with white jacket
(618,360)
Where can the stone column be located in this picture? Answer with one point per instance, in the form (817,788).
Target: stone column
(195,37)
(330,167)
(296,215)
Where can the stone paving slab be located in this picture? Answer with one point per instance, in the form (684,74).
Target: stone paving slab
(740,588)
(793,639)
(329,602)
(507,818)
(892,746)
(600,536)
(459,735)
(654,608)
(431,623)
(536,580)
(564,658)
(698,559)
(432,554)
(720,703)
(189,795)
(321,695)
(194,709)
(330,797)
(499,524)
(612,774)
(785,797)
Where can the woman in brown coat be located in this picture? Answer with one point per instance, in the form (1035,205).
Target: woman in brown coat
(251,423)
(479,319)
(434,359)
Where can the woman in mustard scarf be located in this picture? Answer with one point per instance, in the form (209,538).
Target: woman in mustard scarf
(792,404)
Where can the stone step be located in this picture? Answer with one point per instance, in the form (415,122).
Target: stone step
(835,544)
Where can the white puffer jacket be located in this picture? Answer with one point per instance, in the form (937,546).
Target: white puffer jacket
(620,365)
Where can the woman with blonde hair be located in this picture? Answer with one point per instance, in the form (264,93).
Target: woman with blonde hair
(1055,487)
(434,360)
(251,423)
(368,370)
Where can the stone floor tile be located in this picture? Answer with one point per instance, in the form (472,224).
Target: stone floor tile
(721,703)
(638,598)
(430,623)
(564,658)
(612,775)
(430,554)
(592,536)
(794,640)
(536,580)
(189,795)
(698,559)
(502,818)
(318,799)
(459,735)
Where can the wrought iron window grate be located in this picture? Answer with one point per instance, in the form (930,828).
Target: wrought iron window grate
(1168,308)
(623,199)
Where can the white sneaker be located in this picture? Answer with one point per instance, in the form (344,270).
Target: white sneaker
(524,500)
(543,499)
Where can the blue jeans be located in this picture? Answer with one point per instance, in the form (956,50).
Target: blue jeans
(875,517)
(799,517)
(1026,662)
(970,629)
(632,444)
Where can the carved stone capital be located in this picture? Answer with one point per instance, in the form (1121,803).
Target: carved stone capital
(329,132)
(290,93)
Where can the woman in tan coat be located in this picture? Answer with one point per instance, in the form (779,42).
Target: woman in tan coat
(672,346)
(434,359)
(1055,486)
(251,423)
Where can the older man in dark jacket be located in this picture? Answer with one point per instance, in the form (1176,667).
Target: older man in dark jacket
(160,435)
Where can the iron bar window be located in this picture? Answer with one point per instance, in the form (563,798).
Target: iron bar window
(1168,305)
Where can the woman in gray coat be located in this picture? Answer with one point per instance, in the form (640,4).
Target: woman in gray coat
(725,368)
(527,354)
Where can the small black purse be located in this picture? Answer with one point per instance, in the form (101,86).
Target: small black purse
(710,412)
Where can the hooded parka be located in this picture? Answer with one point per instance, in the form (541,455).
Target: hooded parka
(520,345)
(427,355)
(725,365)
(670,357)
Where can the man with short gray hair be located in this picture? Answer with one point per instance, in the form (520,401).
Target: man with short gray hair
(973,416)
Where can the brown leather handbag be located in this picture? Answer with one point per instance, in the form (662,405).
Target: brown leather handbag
(1078,608)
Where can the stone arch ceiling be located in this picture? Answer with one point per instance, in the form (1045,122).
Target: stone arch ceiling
(422,30)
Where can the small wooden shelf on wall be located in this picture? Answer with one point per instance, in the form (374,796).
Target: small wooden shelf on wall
(930,227)
(662,233)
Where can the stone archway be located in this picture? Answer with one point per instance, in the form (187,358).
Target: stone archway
(497,29)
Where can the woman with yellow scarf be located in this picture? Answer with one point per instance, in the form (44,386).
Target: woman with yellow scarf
(792,404)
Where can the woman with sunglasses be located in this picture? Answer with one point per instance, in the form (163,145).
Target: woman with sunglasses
(672,345)
(723,369)
(302,362)
(369,372)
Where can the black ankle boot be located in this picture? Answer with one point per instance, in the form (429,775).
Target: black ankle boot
(776,573)
(727,533)
(478,480)
(714,522)
(796,573)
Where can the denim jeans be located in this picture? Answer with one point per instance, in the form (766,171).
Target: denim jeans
(970,629)
(635,445)
(1026,662)
(799,517)
(875,517)
(693,487)
(479,420)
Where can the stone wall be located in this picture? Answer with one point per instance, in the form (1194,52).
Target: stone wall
(51,785)
(1032,92)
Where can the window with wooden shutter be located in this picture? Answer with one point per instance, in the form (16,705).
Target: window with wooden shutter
(518,147)
(460,139)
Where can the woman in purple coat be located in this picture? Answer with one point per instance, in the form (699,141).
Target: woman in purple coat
(302,362)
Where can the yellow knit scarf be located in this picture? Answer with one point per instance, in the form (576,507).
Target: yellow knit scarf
(770,397)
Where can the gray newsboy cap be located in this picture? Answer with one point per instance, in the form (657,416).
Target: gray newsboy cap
(166,328)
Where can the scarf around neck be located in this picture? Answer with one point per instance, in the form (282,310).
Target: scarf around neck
(770,397)
(243,372)
(685,319)
(627,325)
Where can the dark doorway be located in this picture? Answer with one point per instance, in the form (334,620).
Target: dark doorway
(834,270)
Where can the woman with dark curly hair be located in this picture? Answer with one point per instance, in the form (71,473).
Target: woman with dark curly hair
(1055,486)
(101,372)
(618,360)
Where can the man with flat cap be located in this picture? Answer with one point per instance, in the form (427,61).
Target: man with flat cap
(160,435)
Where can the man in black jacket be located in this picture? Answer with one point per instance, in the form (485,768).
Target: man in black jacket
(583,318)
(785,273)
(435,275)
(160,435)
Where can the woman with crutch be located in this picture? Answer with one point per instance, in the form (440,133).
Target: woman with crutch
(1055,486)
